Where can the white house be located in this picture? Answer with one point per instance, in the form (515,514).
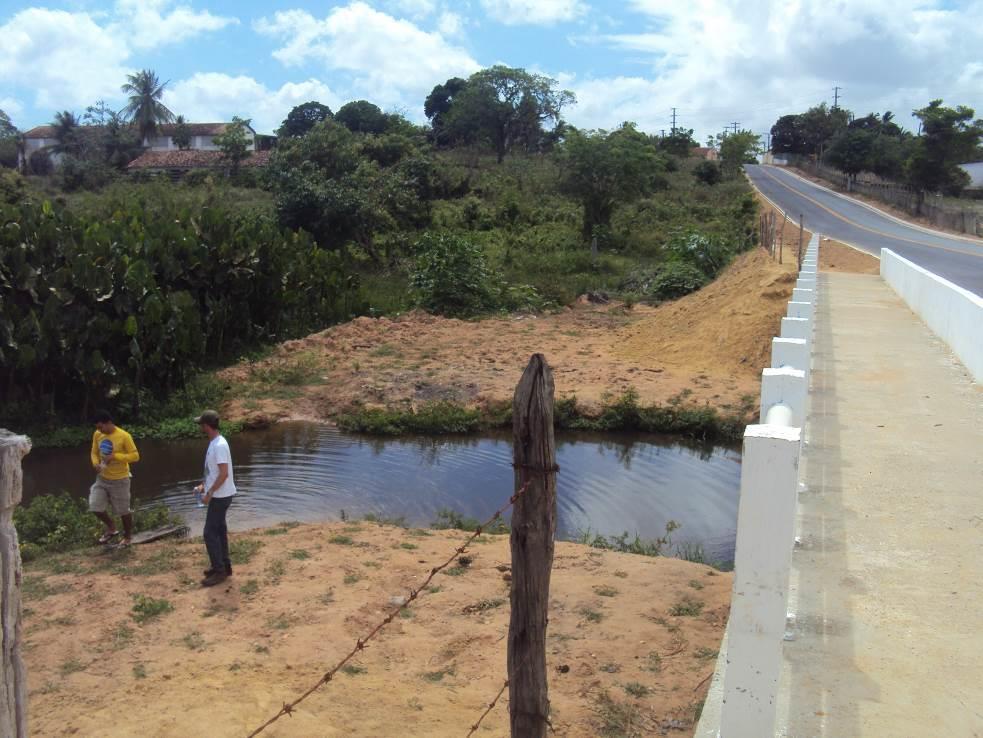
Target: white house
(202,139)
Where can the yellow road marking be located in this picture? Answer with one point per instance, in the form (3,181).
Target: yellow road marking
(866,228)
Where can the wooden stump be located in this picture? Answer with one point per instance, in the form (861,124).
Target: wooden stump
(13,680)
(533,531)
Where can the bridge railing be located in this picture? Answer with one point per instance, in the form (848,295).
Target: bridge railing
(742,700)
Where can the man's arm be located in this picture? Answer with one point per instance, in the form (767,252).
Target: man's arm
(94,453)
(223,474)
(129,455)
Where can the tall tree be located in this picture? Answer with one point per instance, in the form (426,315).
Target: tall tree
(603,170)
(361,116)
(10,139)
(505,106)
(303,118)
(949,137)
(787,136)
(145,109)
(438,104)
(679,142)
(182,133)
(851,152)
(738,149)
(234,143)
(67,133)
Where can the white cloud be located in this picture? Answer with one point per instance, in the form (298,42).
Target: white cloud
(12,107)
(720,61)
(64,59)
(390,61)
(413,8)
(152,23)
(450,24)
(534,12)
(211,96)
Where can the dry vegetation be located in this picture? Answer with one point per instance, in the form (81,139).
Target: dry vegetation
(118,647)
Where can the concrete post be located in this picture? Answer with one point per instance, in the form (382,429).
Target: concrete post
(13,680)
(797,328)
(765,534)
(805,283)
(803,295)
(785,386)
(800,310)
(792,353)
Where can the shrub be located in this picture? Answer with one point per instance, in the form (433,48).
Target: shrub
(39,164)
(708,172)
(60,522)
(676,279)
(452,277)
(13,188)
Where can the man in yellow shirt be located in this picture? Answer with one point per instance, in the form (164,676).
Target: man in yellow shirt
(112,453)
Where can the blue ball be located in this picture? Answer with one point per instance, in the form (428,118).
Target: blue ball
(105,447)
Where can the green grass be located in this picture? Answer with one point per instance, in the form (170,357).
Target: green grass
(616,719)
(275,532)
(409,546)
(251,587)
(194,642)
(705,653)
(120,637)
(438,676)
(280,622)
(591,615)
(276,569)
(637,689)
(147,608)
(653,662)
(71,666)
(605,591)
(340,540)
(695,584)
(353,670)
(455,571)
(37,588)
(300,554)
(686,607)
(242,550)
(352,578)
(139,671)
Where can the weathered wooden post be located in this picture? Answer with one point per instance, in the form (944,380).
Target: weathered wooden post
(13,681)
(533,531)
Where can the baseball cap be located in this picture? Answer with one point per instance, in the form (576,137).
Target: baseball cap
(209,417)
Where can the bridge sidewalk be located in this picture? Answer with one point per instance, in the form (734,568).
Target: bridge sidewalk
(886,585)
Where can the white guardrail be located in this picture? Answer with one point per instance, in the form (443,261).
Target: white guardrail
(954,314)
(743,694)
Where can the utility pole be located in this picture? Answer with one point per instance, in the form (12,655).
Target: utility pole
(673,122)
(663,133)
(734,124)
(836,97)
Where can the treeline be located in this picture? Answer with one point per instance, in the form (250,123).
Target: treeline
(927,160)
(131,299)
(122,293)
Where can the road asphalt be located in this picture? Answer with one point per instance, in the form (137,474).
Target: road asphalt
(836,216)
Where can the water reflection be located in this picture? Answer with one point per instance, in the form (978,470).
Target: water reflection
(310,472)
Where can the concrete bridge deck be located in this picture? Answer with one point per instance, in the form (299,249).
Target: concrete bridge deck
(888,581)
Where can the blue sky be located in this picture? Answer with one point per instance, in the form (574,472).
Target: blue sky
(716,61)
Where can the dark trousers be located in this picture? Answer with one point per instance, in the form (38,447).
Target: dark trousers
(217,533)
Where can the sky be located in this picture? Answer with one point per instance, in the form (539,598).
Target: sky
(717,62)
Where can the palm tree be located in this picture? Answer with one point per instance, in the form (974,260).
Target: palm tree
(67,133)
(145,110)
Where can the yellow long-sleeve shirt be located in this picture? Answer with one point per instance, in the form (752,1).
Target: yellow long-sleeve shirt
(124,453)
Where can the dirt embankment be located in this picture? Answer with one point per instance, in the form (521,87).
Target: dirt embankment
(707,348)
(632,639)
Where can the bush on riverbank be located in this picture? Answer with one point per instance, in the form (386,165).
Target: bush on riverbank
(624,413)
(59,522)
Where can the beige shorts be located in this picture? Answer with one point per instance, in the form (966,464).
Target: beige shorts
(110,492)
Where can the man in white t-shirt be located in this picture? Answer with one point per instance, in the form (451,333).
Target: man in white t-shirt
(216,492)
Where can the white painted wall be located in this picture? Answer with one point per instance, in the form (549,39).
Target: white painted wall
(954,314)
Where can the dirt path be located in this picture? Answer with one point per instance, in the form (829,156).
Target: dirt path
(631,638)
(706,348)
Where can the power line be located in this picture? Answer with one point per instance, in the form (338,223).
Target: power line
(836,97)
(673,129)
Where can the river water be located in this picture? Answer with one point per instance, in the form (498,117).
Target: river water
(609,483)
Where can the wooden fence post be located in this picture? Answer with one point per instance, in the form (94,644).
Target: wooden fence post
(13,681)
(533,531)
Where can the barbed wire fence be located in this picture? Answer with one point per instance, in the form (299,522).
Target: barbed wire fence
(360,644)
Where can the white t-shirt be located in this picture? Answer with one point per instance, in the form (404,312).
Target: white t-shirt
(219,453)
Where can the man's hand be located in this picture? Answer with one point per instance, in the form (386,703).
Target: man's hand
(110,458)
(199,488)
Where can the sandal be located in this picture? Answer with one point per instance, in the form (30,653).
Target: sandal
(107,537)
(124,543)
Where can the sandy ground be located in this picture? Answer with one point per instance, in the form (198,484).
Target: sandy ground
(680,349)
(632,639)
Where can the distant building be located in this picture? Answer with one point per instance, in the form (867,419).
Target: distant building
(202,138)
(704,152)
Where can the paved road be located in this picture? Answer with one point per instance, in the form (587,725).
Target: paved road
(959,260)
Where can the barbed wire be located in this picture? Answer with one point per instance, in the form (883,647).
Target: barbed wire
(491,706)
(288,707)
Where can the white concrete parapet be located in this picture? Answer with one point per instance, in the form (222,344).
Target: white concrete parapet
(954,314)
(765,525)
(785,386)
(797,328)
(800,310)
